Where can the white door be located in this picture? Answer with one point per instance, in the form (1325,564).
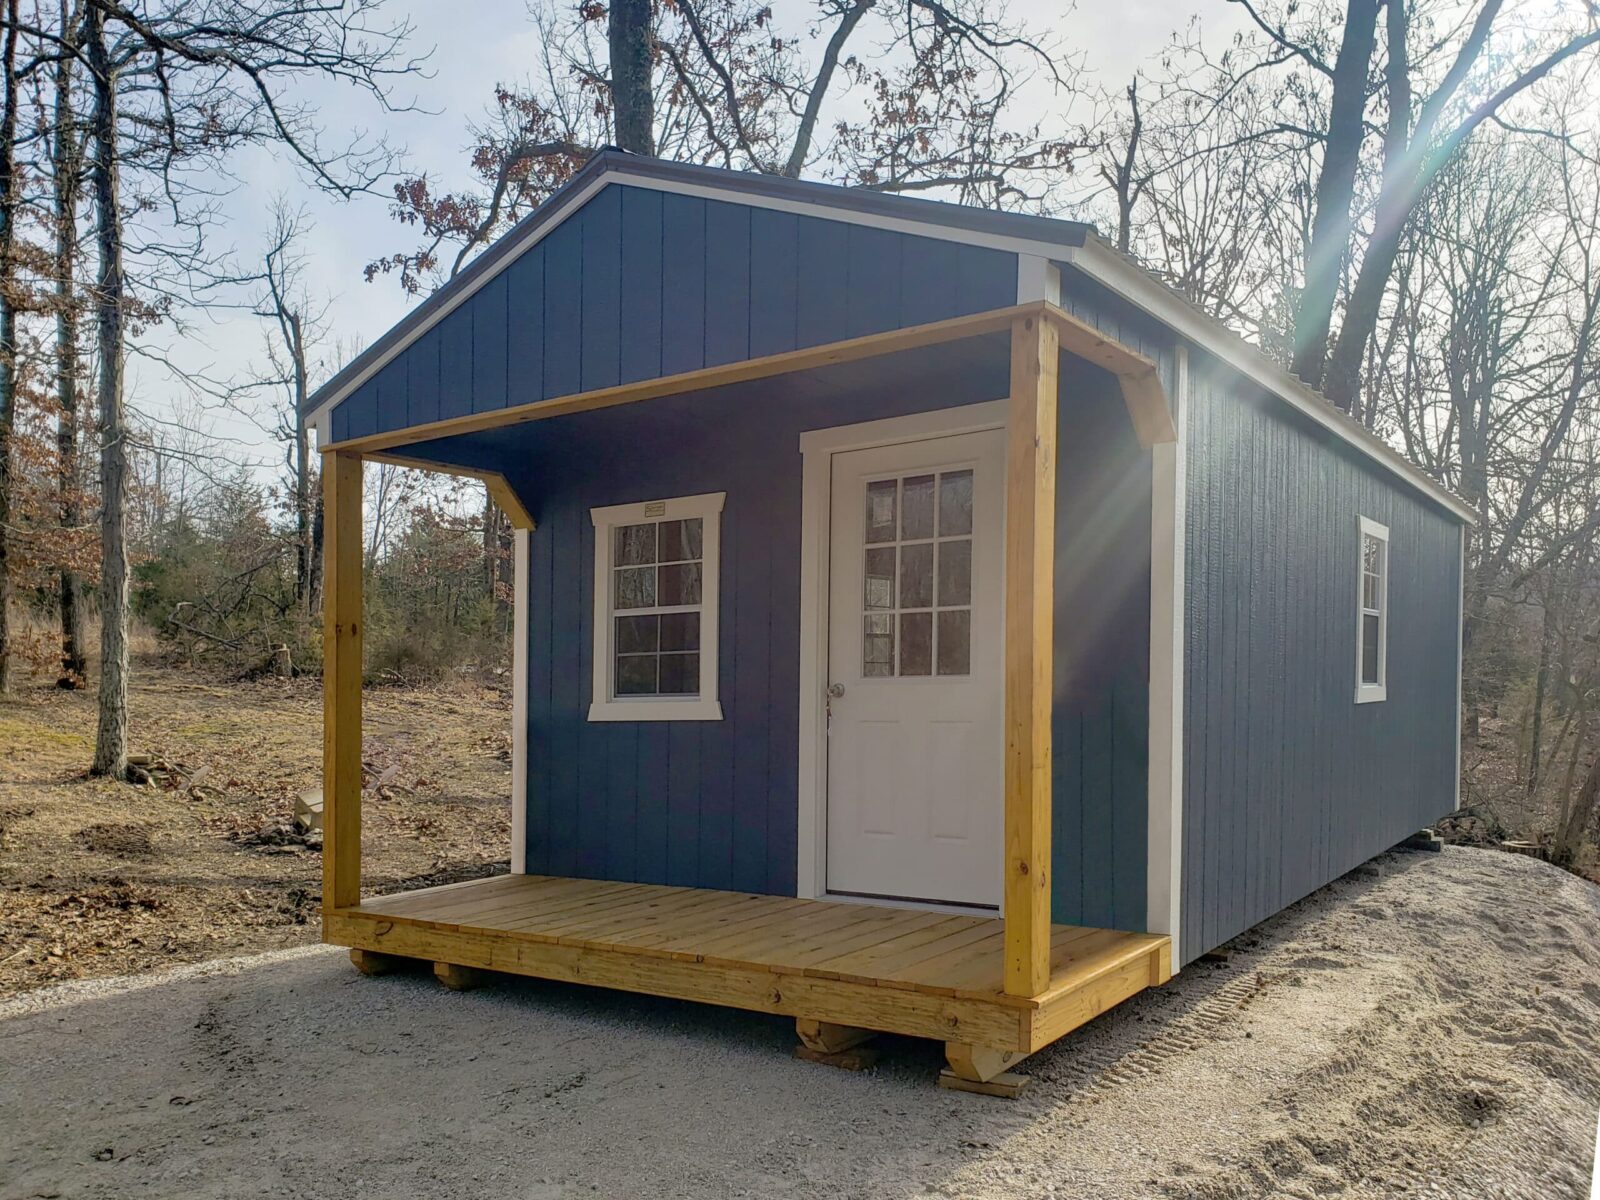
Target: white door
(915,671)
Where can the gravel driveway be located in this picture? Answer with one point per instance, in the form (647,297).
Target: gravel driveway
(1428,1024)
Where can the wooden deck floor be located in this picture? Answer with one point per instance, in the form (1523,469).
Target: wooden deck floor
(895,970)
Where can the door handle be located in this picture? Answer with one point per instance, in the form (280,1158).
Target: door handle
(835,690)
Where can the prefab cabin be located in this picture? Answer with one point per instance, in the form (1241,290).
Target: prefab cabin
(925,620)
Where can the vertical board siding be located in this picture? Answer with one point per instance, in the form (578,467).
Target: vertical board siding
(1100,719)
(702,804)
(1288,783)
(640,283)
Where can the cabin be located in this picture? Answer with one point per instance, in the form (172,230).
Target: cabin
(925,621)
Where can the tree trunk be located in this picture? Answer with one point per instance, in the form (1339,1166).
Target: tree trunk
(8,329)
(632,101)
(66,173)
(1569,838)
(1330,225)
(1541,685)
(111,735)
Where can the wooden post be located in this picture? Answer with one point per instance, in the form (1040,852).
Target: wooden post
(341,681)
(1029,632)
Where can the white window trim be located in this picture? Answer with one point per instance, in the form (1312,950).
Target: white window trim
(1367,693)
(704,707)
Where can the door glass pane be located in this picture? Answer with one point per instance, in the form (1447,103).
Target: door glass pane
(955,572)
(916,576)
(877,645)
(880,578)
(635,544)
(955,503)
(680,631)
(680,674)
(955,641)
(680,540)
(916,643)
(880,510)
(916,507)
(680,584)
(636,675)
(637,635)
(635,587)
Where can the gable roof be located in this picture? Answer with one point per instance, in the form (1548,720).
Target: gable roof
(1068,242)
(908,214)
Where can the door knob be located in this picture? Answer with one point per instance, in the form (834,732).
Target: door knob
(835,690)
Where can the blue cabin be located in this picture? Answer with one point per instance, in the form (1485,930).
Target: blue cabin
(926,620)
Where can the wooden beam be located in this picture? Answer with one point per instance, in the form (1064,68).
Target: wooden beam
(500,489)
(342,626)
(1029,642)
(1137,373)
(850,350)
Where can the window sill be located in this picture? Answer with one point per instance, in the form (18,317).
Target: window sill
(656,710)
(1369,693)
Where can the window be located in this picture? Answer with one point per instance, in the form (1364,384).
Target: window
(1372,604)
(917,602)
(655,610)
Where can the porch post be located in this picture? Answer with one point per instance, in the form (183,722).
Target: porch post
(341,681)
(1029,644)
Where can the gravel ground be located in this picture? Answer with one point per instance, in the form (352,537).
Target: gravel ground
(1428,1025)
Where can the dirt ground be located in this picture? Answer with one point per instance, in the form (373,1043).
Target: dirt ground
(1427,1026)
(100,878)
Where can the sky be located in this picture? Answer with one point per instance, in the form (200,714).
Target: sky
(472,45)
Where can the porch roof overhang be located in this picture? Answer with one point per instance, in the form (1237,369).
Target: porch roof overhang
(1138,375)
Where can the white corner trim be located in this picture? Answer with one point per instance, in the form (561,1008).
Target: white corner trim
(705,706)
(1038,278)
(1139,288)
(817,448)
(519,702)
(1461,624)
(1168,537)
(1371,693)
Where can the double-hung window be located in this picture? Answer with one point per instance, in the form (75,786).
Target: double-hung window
(655,610)
(1372,613)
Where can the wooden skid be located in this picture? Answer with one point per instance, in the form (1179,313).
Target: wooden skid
(839,969)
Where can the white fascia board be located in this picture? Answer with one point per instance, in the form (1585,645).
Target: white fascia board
(1136,286)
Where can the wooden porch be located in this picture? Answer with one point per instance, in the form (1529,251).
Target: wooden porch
(854,967)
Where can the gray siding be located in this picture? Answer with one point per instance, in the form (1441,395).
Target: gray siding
(640,283)
(1288,782)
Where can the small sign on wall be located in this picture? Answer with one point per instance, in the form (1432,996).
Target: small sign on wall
(656,508)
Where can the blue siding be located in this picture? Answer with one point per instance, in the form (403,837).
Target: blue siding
(1288,782)
(707,804)
(1101,712)
(641,283)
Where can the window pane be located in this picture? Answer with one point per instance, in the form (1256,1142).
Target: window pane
(636,635)
(955,573)
(680,674)
(880,578)
(680,631)
(955,503)
(877,645)
(636,675)
(680,540)
(916,643)
(955,642)
(1369,591)
(635,544)
(679,584)
(635,588)
(1371,554)
(916,507)
(880,510)
(916,576)
(1369,648)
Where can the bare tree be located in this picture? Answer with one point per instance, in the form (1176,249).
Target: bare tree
(10,101)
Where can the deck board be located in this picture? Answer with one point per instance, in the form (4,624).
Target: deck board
(891,968)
